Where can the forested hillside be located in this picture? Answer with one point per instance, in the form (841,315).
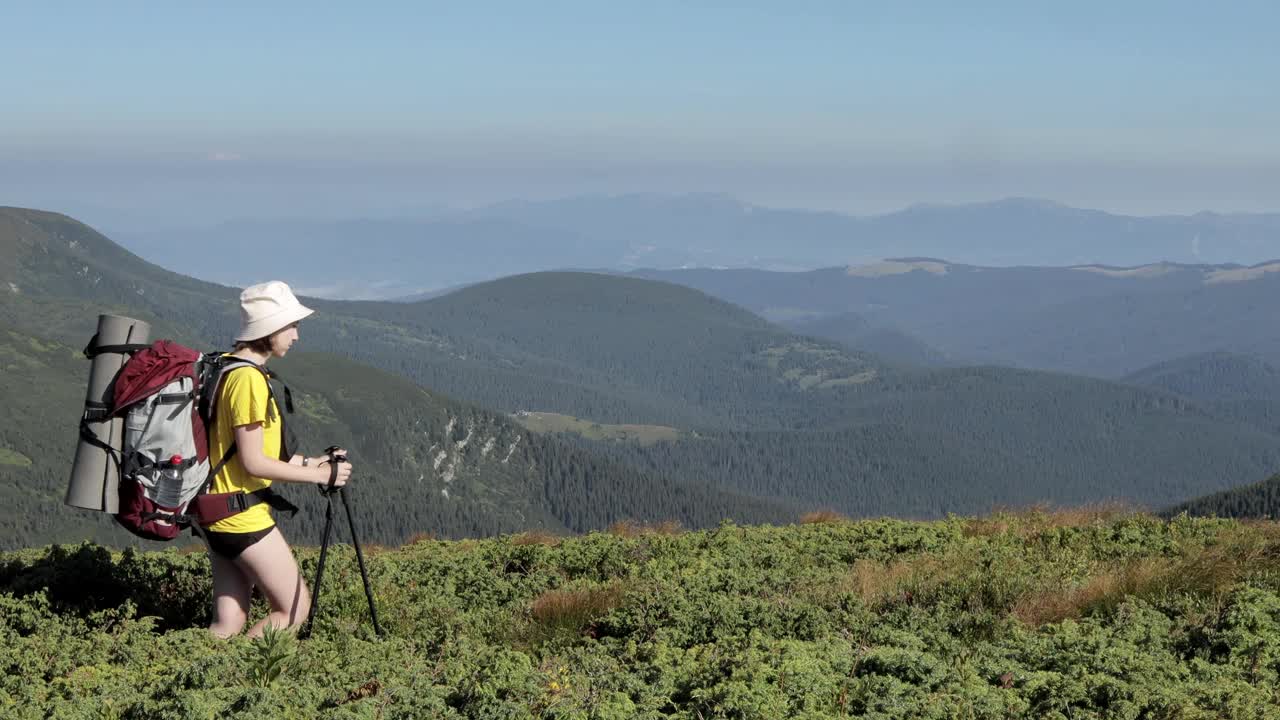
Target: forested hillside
(855,332)
(628,350)
(1089,319)
(1253,501)
(427,464)
(1241,387)
(971,439)
(759,411)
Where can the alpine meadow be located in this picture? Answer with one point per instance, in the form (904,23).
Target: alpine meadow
(639,361)
(597,495)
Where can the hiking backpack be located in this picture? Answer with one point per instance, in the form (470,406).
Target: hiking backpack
(166,394)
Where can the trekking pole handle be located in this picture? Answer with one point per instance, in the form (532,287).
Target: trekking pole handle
(334,459)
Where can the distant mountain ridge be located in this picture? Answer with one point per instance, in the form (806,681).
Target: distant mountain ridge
(1096,320)
(407,256)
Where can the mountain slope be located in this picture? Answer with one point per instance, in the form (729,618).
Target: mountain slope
(1240,387)
(69,273)
(529,342)
(665,354)
(424,463)
(1259,500)
(1094,320)
(855,332)
(626,350)
(967,440)
(55,268)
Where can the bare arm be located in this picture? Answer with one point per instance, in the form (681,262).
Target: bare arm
(249,442)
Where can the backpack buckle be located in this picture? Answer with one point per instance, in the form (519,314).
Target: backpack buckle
(236,503)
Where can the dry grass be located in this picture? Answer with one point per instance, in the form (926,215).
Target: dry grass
(630,529)
(1083,515)
(883,583)
(1234,554)
(876,582)
(1036,519)
(1269,529)
(422,537)
(988,526)
(1211,571)
(535,537)
(571,611)
(822,516)
(1104,589)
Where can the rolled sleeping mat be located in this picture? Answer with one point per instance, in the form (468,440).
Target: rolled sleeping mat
(95,474)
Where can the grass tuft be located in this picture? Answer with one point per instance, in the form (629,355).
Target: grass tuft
(822,516)
(570,612)
(631,529)
(535,537)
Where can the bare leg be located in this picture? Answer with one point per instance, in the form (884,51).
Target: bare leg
(269,564)
(231,594)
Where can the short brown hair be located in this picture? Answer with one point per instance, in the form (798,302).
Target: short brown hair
(261,345)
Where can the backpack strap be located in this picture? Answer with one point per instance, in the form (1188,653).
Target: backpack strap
(95,411)
(93,349)
(213,472)
(222,366)
(288,440)
(209,508)
(97,414)
(215,369)
(212,507)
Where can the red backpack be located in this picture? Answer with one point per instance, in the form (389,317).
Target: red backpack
(166,393)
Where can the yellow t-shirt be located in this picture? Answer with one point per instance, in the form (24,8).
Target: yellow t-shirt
(243,400)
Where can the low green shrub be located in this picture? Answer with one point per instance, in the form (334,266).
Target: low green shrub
(1088,614)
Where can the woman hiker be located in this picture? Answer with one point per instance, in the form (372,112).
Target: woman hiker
(247,550)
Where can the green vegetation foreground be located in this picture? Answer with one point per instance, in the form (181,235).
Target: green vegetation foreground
(1076,614)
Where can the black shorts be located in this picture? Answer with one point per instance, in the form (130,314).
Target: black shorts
(230,544)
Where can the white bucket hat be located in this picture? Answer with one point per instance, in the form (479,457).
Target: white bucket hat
(266,308)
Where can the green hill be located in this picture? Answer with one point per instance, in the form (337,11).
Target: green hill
(1043,615)
(968,440)
(857,333)
(427,464)
(1087,319)
(1235,386)
(779,415)
(53,267)
(1259,500)
(411,440)
(789,417)
(612,349)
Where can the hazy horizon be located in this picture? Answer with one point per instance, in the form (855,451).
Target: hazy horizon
(151,115)
(132,220)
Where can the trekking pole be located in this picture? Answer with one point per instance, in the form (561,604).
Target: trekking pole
(364,575)
(327,491)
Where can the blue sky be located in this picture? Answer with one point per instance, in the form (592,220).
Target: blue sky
(214,110)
